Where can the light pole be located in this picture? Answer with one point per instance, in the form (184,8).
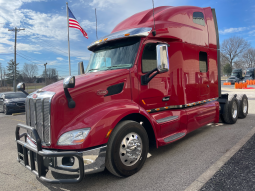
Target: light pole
(45,73)
(15,45)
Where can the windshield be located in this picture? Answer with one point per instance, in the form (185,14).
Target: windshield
(15,95)
(236,74)
(248,73)
(114,55)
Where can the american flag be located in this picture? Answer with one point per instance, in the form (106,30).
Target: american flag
(73,23)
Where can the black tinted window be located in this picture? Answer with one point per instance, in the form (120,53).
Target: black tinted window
(15,95)
(149,60)
(203,66)
(198,18)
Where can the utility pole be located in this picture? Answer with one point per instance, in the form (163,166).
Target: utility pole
(15,45)
(45,73)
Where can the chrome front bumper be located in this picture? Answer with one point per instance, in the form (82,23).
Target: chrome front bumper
(94,161)
(40,161)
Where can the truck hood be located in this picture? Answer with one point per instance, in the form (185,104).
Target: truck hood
(87,95)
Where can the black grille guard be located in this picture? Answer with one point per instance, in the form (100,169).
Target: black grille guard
(42,170)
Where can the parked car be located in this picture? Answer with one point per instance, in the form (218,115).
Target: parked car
(233,79)
(11,102)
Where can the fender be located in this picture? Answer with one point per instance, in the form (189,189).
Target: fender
(101,119)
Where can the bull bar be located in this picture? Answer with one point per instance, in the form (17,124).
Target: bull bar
(38,155)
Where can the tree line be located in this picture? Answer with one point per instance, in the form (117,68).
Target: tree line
(28,74)
(236,52)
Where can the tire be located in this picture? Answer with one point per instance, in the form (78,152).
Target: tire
(230,114)
(119,148)
(243,106)
(5,110)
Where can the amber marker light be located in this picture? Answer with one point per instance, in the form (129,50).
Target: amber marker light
(157,109)
(100,40)
(108,133)
(166,107)
(148,111)
(199,102)
(143,102)
(204,100)
(127,34)
(105,39)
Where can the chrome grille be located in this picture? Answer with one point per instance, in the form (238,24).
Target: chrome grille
(46,118)
(38,114)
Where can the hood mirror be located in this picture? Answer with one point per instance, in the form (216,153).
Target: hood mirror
(80,68)
(21,87)
(69,82)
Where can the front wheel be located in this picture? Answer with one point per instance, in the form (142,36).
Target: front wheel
(5,110)
(127,149)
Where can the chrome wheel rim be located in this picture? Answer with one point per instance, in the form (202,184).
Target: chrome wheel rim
(234,110)
(245,106)
(130,149)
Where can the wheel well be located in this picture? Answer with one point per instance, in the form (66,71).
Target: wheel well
(145,123)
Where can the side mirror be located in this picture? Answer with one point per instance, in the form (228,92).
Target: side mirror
(69,82)
(162,64)
(162,58)
(80,68)
(21,86)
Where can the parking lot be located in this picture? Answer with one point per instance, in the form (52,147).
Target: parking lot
(172,167)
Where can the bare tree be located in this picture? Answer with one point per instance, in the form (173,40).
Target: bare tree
(248,58)
(29,72)
(233,48)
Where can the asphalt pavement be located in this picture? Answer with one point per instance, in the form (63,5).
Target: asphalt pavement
(172,167)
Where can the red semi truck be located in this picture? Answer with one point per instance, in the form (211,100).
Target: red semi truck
(150,82)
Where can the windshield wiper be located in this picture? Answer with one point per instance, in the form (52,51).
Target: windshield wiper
(118,66)
(92,69)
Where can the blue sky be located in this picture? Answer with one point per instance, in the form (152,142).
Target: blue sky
(45,36)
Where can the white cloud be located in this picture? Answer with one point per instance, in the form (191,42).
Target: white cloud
(59,58)
(233,30)
(37,53)
(1,59)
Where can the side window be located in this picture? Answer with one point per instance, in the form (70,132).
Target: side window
(198,18)
(149,59)
(203,65)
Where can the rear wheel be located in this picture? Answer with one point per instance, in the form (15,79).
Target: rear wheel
(243,106)
(127,149)
(230,114)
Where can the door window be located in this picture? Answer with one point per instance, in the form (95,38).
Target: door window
(149,59)
(203,65)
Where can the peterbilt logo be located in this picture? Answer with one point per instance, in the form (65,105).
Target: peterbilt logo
(102,92)
(34,96)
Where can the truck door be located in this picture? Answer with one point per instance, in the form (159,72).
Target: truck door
(156,93)
(203,75)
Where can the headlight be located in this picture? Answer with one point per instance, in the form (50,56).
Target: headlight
(10,103)
(75,137)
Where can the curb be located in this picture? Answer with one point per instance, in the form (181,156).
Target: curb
(18,113)
(208,174)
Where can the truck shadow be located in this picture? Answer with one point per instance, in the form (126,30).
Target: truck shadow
(105,180)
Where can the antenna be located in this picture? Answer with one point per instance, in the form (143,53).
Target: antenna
(96,21)
(153,32)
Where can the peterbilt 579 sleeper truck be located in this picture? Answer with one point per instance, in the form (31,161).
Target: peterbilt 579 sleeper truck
(144,85)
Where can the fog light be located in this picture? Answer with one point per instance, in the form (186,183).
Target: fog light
(68,161)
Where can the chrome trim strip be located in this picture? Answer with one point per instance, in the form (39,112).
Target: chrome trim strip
(170,118)
(180,106)
(144,31)
(174,137)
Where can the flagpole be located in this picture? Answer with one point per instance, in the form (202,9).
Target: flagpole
(67,12)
